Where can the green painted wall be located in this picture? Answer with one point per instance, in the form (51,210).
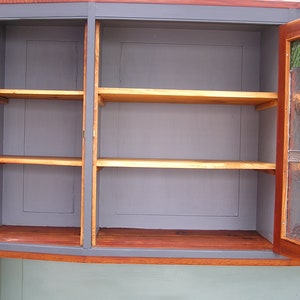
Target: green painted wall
(31,280)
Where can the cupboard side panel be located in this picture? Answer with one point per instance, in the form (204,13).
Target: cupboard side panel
(267,133)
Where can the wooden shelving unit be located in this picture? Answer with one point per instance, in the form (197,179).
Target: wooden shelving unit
(261,100)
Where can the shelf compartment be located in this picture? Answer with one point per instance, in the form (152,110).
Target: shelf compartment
(59,236)
(260,99)
(40,94)
(41,160)
(184,164)
(182,239)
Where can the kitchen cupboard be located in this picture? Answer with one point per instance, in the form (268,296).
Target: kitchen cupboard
(138,138)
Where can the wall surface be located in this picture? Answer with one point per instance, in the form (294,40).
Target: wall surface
(24,279)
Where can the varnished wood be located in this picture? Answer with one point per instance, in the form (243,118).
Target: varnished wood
(41,160)
(182,239)
(266,105)
(59,236)
(287,33)
(244,3)
(184,164)
(185,96)
(151,260)
(41,94)
(168,239)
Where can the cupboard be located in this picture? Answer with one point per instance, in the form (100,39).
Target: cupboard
(155,139)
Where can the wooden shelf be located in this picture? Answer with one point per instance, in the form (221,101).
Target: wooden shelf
(184,164)
(41,160)
(260,99)
(182,239)
(40,94)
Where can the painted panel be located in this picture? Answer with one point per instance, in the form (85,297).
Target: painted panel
(43,58)
(141,66)
(35,280)
(267,133)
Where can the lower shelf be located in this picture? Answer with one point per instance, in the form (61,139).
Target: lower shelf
(139,246)
(58,236)
(182,239)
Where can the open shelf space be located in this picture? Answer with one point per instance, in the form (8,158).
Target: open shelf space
(182,239)
(40,94)
(259,99)
(42,81)
(59,236)
(184,164)
(41,160)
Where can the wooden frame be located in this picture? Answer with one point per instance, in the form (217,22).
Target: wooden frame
(283,245)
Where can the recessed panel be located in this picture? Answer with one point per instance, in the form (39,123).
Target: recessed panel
(180,66)
(177,193)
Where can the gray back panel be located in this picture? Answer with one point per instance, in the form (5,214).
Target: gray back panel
(43,58)
(182,59)
(267,134)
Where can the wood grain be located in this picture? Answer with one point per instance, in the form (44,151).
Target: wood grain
(41,160)
(182,239)
(137,238)
(187,96)
(41,94)
(183,164)
(59,236)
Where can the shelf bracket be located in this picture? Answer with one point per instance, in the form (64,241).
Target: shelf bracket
(100,100)
(271,172)
(3,100)
(266,105)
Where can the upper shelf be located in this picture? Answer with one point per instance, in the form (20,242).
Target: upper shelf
(41,160)
(5,94)
(260,99)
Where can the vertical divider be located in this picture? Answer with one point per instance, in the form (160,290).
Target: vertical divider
(95,134)
(87,170)
(83,136)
